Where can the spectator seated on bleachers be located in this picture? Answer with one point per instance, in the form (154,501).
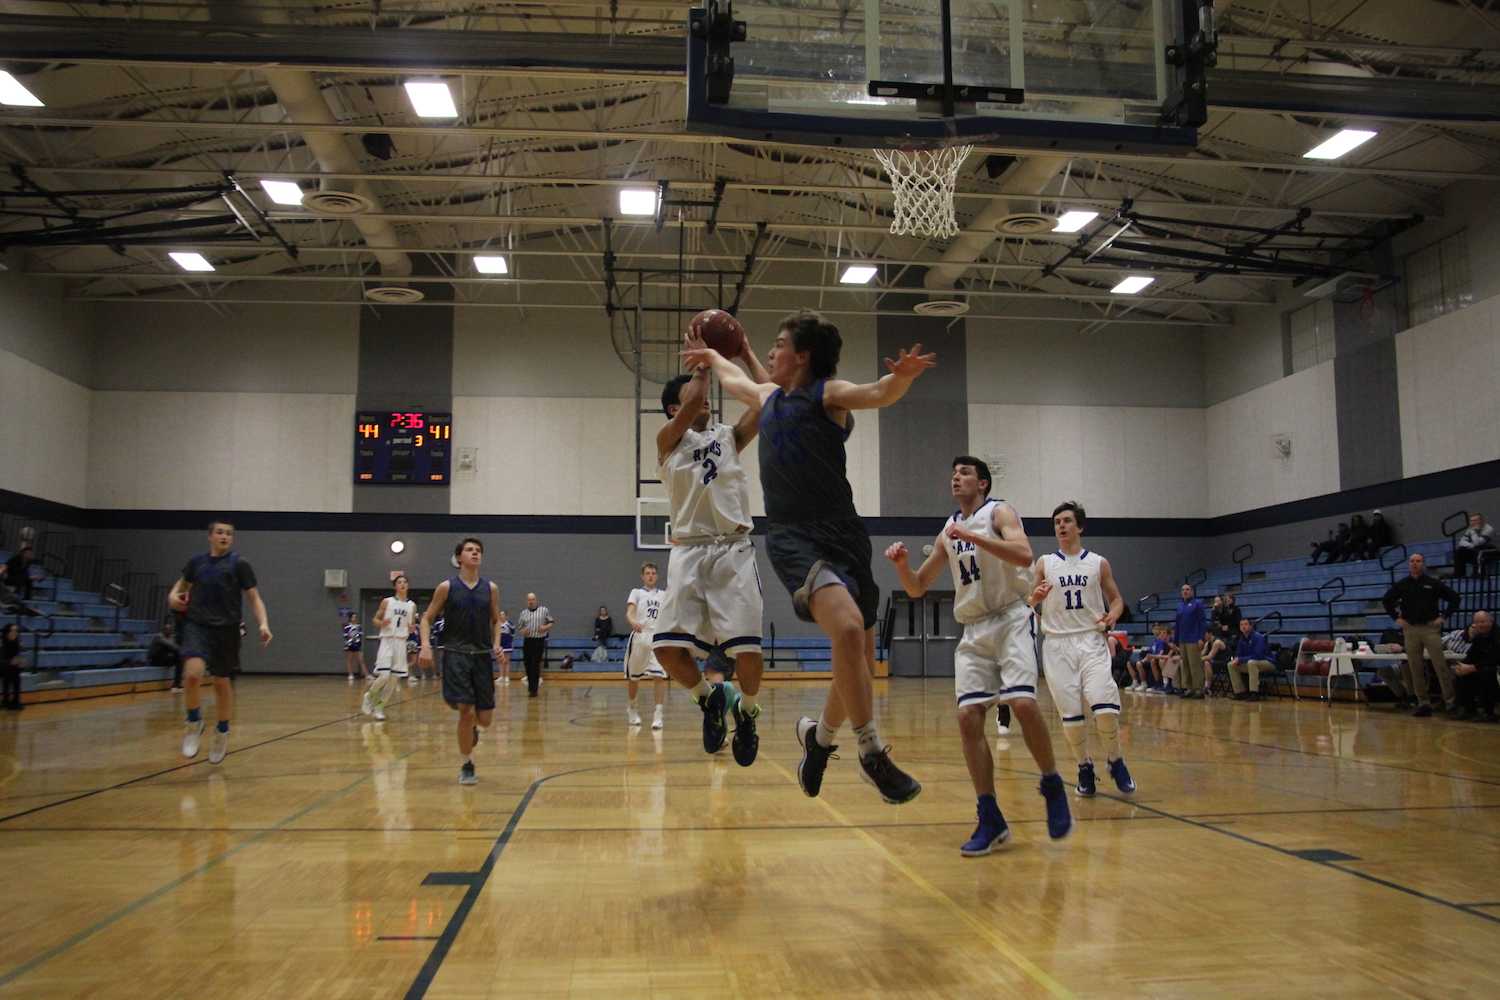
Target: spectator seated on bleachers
(1475,546)
(1474,674)
(1252,654)
(1332,547)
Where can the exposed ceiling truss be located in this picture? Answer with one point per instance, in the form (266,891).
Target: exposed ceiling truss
(583,100)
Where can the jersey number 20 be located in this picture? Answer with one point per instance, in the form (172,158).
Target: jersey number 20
(971,573)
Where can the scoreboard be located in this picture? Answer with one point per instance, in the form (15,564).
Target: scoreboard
(403,448)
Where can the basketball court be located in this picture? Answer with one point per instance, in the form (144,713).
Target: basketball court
(368,279)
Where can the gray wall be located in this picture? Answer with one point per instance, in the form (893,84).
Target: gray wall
(38,324)
(572,574)
(920,435)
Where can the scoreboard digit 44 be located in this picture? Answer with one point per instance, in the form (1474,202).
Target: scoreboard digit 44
(402,448)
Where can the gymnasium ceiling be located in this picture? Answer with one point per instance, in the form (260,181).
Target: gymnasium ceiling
(579,99)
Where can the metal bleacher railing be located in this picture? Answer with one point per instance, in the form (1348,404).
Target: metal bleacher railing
(1452,526)
(1328,596)
(1240,556)
(1196,578)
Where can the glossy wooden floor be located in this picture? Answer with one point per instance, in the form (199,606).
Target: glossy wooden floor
(332,857)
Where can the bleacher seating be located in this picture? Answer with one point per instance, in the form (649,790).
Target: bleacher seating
(1290,588)
(81,641)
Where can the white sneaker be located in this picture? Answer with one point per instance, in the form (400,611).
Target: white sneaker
(379,715)
(365,706)
(218,748)
(190,737)
(1001,730)
(656,719)
(351,678)
(632,717)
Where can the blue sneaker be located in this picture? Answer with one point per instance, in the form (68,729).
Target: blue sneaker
(1086,786)
(1059,819)
(988,835)
(714,729)
(1121,774)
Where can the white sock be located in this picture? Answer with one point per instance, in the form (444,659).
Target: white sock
(825,734)
(701,690)
(869,739)
(749,705)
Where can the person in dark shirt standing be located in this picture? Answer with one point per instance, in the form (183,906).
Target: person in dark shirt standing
(1475,682)
(1187,634)
(818,544)
(1415,603)
(209,595)
(470,606)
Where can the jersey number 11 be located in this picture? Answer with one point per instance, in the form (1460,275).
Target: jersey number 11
(1072,600)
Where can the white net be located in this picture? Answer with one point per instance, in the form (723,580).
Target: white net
(923,182)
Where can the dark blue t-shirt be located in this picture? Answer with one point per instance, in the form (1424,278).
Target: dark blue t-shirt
(217,585)
(466,617)
(803,465)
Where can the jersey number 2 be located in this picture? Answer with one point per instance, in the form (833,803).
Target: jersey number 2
(1072,600)
(710,471)
(971,574)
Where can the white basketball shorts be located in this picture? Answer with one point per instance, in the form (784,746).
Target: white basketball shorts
(713,599)
(996,658)
(640,658)
(392,656)
(1079,674)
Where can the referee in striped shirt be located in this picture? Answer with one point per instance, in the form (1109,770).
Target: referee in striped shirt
(534,624)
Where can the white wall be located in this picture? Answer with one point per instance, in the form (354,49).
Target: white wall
(1240,463)
(1448,378)
(1051,364)
(44,450)
(221,451)
(1118,461)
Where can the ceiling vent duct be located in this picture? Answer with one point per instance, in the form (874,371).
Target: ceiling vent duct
(341,204)
(395,295)
(1025,224)
(941,307)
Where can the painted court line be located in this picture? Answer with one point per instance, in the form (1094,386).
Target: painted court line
(158,893)
(984,930)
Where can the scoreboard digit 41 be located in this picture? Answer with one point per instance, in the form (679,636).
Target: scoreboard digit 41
(402,447)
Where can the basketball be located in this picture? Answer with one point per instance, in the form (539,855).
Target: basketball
(720,331)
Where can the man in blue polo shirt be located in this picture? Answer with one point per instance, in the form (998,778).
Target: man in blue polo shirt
(1253,654)
(1187,635)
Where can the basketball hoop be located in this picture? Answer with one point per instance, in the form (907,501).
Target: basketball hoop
(923,181)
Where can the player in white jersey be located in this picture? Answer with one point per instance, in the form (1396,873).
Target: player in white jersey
(985,547)
(1079,604)
(715,600)
(393,620)
(643,611)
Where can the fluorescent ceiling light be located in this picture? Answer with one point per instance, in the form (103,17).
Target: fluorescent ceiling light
(857,274)
(1071,222)
(1131,286)
(1347,140)
(491,265)
(283,192)
(431,98)
(637,201)
(191,261)
(14,95)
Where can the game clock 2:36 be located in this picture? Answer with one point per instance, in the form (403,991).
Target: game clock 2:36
(402,447)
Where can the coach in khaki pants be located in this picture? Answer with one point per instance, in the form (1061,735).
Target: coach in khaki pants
(1416,604)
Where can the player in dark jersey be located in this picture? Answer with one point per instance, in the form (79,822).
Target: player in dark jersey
(817,542)
(470,607)
(209,596)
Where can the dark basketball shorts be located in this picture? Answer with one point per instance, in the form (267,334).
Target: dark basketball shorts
(468,680)
(843,544)
(218,646)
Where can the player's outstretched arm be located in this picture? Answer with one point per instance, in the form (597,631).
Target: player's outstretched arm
(1012,546)
(918,582)
(901,373)
(439,598)
(730,376)
(677,425)
(1114,603)
(753,364)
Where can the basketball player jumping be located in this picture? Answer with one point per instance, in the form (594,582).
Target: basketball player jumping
(714,601)
(817,541)
(1080,603)
(641,610)
(985,547)
(393,619)
(209,595)
(470,606)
